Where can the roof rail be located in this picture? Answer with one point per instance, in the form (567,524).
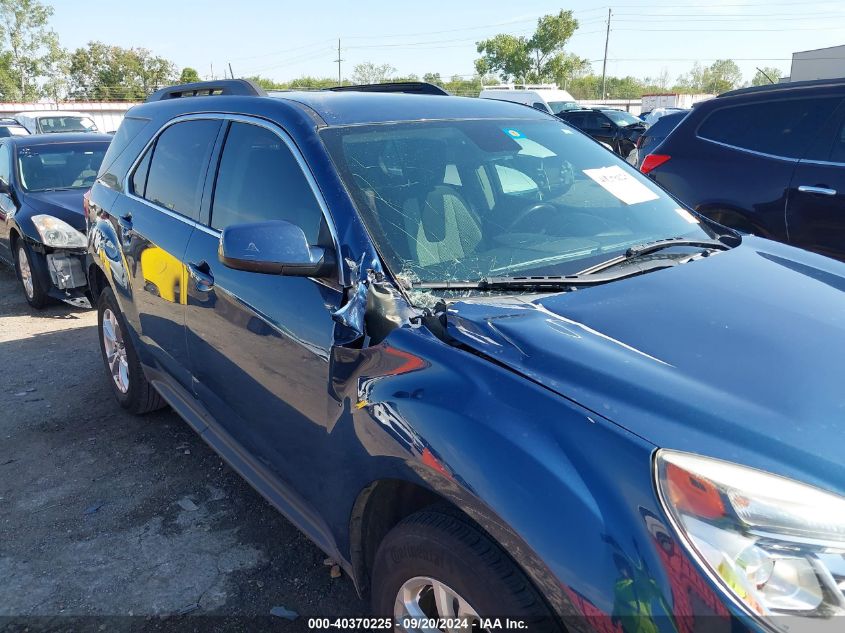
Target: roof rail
(409,87)
(239,87)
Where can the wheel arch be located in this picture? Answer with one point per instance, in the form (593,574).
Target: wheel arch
(97,280)
(384,503)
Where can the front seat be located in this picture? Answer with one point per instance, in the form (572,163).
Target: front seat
(439,222)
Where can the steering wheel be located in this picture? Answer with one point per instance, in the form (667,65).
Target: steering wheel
(526,213)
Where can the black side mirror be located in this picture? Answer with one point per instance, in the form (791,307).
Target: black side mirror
(276,247)
(607,126)
(4,187)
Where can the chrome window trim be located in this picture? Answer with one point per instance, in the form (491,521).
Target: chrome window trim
(754,152)
(825,163)
(240,118)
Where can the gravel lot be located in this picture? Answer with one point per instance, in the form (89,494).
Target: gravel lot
(103,514)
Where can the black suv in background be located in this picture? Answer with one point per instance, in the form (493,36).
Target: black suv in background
(768,160)
(617,128)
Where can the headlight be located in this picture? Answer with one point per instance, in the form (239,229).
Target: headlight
(775,545)
(56,232)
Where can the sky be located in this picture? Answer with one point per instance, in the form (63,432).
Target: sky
(284,40)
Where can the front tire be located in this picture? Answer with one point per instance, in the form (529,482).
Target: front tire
(126,377)
(35,294)
(435,565)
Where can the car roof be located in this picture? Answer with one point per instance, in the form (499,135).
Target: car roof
(786,86)
(59,137)
(669,120)
(38,113)
(352,108)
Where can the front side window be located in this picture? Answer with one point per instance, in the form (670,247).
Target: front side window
(178,166)
(781,128)
(50,124)
(60,165)
(5,165)
(535,198)
(259,180)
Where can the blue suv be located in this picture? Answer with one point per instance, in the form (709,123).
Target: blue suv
(488,367)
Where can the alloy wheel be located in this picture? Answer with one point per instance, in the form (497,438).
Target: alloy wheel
(115,349)
(428,600)
(25,272)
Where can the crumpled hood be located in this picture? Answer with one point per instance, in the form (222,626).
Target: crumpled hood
(65,205)
(740,355)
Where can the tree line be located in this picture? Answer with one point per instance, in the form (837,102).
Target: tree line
(34,66)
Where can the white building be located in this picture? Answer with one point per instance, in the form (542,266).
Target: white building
(821,63)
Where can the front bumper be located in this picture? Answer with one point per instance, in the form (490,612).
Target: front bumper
(66,269)
(62,272)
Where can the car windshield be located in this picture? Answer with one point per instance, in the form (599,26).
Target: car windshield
(13,130)
(621,118)
(60,166)
(50,124)
(471,199)
(562,106)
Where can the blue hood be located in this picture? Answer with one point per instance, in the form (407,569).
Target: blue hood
(738,356)
(65,205)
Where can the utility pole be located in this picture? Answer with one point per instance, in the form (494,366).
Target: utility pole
(338,60)
(604,65)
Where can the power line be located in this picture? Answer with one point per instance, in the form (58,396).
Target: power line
(721,30)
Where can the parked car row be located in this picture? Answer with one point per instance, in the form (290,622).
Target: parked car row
(616,128)
(488,367)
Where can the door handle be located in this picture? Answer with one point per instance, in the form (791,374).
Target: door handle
(201,274)
(819,191)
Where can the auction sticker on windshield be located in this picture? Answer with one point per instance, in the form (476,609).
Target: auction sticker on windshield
(621,184)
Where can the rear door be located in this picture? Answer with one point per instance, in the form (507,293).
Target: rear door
(815,212)
(153,222)
(260,343)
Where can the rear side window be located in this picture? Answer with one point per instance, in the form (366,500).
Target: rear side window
(139,178)
(259,180)
(128,130)
(781,128)
(178,166)
(576,119)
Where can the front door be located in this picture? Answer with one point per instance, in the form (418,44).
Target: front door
(7,204)
(260,343)
(154,222)
(815,210)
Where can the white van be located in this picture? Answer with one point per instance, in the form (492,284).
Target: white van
(48,121)
(545,97)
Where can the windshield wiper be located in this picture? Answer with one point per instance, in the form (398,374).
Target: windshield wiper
(542,283)
(653,247)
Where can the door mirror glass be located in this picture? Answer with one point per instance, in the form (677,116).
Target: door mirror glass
(275,247)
